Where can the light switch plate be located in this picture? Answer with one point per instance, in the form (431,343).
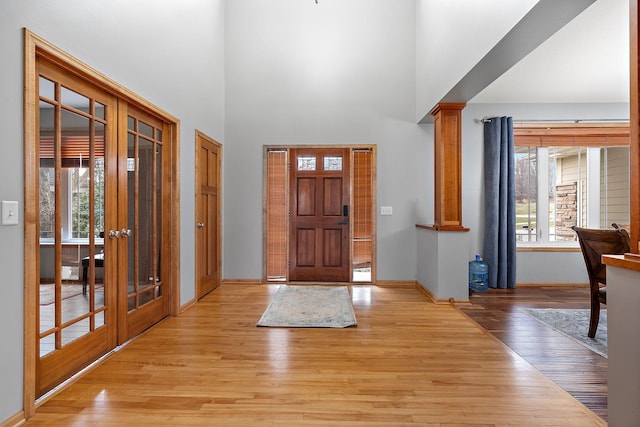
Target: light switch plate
(10,213)
(386,210)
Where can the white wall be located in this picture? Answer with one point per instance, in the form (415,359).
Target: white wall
(445,52)
(178,64)
(336,72)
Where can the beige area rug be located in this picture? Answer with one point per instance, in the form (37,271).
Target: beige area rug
(310,307)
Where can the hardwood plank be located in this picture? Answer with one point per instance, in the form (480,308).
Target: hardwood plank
(578,370)
(408,362)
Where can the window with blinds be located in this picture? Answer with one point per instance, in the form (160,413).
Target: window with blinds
(362,213)
(276,217)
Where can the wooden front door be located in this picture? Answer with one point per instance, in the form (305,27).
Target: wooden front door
(319,215)
(208,238)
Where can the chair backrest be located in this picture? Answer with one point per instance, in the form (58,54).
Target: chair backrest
(595,243)
(620,225)
(626,228)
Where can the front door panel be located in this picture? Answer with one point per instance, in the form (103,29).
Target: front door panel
(319,215)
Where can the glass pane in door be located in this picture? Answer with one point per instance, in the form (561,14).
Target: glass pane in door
(98,221)
(146,204)
(144,175)
(75,184)
(47,207)
(72,210)
(158,219)
(132,167)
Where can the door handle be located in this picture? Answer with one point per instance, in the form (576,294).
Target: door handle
(201,225)
(125,232)
(114,234)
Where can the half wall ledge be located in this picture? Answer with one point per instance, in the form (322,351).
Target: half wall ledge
(442,268)
(443,227)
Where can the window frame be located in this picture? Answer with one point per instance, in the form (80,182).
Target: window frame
(67,213)
(542,136)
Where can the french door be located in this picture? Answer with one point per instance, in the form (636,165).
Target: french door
(102,239)
(77,199)
(143,299)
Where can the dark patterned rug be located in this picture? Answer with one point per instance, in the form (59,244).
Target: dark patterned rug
(574,324)
(310,307)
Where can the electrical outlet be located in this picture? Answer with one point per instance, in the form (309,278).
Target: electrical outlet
(386,210)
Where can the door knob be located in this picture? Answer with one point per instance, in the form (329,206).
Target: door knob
(201,225)
(125,232)
(114,234)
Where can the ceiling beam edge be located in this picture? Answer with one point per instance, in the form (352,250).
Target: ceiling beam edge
(539,24)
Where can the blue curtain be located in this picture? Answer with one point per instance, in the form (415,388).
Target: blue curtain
(499,249)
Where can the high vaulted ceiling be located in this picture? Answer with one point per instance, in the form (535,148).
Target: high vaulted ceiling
(587,61)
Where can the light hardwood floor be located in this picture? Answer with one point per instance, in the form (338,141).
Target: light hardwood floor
(407,363)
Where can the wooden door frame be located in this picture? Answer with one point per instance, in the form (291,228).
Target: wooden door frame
(201,135)
(36,47)
(374,230)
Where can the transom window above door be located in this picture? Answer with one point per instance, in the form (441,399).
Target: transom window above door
(329,163)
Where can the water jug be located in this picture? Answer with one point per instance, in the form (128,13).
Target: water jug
(478,275)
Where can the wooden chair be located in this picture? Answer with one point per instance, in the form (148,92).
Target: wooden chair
(594,244)
(98,261)
(625,227)
(618,225)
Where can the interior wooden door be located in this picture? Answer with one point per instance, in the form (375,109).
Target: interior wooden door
(75,192)
(208,238)
(142,234)
(319,240)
